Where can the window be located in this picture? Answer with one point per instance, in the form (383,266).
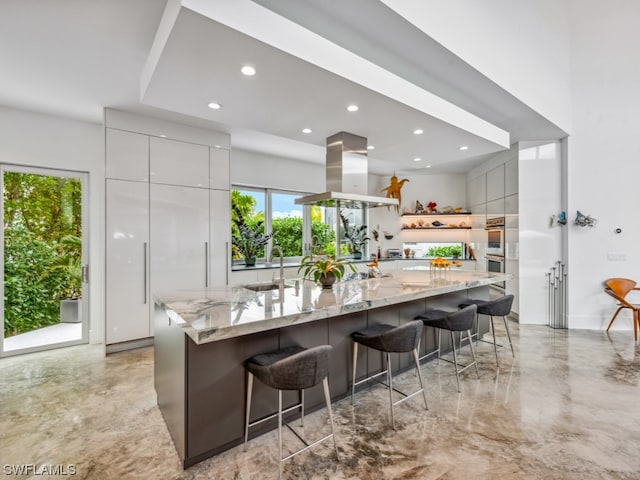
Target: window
(435,249)
(298,230)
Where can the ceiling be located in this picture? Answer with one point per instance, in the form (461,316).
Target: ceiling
(313,58)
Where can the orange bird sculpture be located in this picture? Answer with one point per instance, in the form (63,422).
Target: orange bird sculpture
(393,190)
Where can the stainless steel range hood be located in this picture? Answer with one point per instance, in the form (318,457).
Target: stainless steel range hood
(346,175)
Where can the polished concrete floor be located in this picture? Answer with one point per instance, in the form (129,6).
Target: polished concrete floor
(566,407)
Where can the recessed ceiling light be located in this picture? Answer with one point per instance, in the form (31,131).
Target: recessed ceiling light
(163,136)
(248,70)
(418,131)
(370,147)
(352,108)
(306,130)
(463,147)
(217,146)
(214,106)
(417,159)
(427,166)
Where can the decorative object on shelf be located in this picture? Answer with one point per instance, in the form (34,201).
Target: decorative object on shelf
(356,234)
(583,220)
(406,211)
(419,207)
(375,234)
(249,240)
(462,225)
(437,223)
(393,190)
(420,222)
(447,209)
(457,210)
(324,269)
(388,235)
(431,207)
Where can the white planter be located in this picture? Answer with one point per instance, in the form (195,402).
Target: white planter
(70,311)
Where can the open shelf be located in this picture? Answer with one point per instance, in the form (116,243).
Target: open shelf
(437,228)
(434,214)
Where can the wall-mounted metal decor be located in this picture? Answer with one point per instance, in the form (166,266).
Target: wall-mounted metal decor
(583,220)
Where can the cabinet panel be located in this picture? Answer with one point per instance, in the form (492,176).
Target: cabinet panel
(511,177)
(127,155)
(219,169)
(220,251)
(495,208)
(476,191)
(179,236)
(127,289)
(495,183)
(179,163)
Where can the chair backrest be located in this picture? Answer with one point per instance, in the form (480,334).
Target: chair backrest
(302,370)
(618,288)
(498,307)
(462,320)
(403,338)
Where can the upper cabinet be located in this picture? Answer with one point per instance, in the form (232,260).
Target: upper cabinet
(476,192)
(127,155)
(495,183)
(179,163)
(511,177)
(219,169)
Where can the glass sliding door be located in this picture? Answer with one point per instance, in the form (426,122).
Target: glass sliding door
(44,259)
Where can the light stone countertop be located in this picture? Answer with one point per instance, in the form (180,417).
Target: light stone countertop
(212,314)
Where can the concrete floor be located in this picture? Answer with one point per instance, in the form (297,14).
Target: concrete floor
(567,407)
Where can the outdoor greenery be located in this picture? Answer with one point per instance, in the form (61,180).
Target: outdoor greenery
(250,239)
(42,248)
(445,251)
(287,231)
(356,235)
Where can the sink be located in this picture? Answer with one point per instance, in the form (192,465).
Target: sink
(264,287)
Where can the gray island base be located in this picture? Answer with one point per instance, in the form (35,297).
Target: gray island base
(203,338)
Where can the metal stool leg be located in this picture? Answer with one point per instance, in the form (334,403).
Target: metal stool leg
(424,394)
(455,360)
(353,378)
(302,408)
(495,346)
(327,399)
(439,338)
(390,381)
(280,433)
(248,410)
(473,353)
(506,326)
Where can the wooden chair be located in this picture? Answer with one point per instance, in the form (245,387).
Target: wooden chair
(618,288)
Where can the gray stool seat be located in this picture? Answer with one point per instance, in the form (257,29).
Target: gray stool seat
(459,321)
(291,368)
(500,307)
(389,339)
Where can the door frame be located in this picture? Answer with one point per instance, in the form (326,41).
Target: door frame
(83,176)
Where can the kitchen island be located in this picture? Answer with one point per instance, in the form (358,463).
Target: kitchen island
(203,338)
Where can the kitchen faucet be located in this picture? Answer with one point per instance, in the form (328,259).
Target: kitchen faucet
(281,279)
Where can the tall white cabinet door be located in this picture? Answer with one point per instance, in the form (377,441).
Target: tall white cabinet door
(178,163)
(219,169)
(220,210)
(179,223)
(127,289)
(127,155)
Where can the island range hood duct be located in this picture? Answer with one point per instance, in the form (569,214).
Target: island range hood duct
(346,174)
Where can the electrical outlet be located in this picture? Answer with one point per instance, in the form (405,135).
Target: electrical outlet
(616,257)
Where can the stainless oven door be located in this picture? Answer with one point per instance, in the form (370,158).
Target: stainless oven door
(495,241)
(495,264)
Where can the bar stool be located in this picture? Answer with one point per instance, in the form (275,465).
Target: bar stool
(292,368)
(500,307)
(459,321)
(387,339)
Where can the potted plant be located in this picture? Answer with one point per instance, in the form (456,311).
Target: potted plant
(248,240)
(69,262)
(324,269)
(356,235)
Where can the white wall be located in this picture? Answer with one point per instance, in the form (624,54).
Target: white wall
(256,169)
(523,46)
(604,153)
(44,141)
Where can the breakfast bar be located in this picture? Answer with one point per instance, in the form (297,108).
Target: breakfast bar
(203,337)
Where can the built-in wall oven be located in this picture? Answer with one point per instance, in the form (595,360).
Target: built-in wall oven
(495,248)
